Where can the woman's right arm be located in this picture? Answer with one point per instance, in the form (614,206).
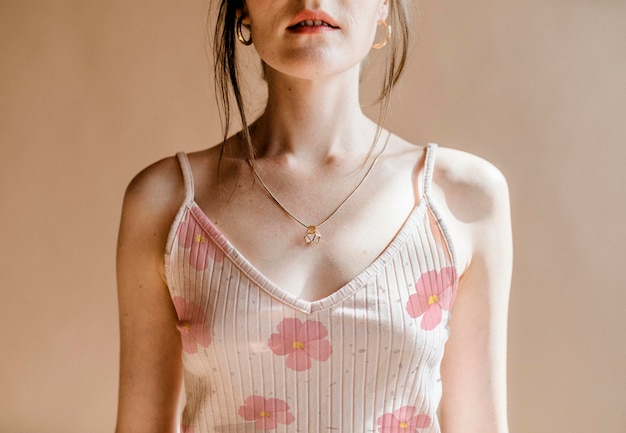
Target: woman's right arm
(150,345)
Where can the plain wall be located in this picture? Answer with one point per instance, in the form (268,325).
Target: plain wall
(93,91)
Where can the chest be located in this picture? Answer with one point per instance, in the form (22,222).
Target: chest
(370,347)
(350,238)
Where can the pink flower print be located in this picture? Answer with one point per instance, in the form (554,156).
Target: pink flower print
(192,235)
(191,325)
(300,342)
(403,420)
(266,413)
(435,292)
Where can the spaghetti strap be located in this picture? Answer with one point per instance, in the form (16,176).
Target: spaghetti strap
(185,167)
(429,165)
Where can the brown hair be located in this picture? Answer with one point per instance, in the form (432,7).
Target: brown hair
(227,77)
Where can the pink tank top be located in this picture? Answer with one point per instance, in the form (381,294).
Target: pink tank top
(364,359)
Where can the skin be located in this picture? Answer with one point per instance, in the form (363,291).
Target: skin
(312,145)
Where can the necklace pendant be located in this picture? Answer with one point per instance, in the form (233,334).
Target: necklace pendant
(312,236)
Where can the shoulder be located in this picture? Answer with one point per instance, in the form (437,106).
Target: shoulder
(474,187)
(459,167)
(158,191)
(473,195)
(471,185)
(151,202)
(156,188)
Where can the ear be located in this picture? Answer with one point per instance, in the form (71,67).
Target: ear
(383,12)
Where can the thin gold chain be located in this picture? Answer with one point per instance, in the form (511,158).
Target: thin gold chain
(295,218)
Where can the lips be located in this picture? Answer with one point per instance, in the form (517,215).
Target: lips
(309,18)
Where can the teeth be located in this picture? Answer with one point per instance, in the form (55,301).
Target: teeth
(311,23)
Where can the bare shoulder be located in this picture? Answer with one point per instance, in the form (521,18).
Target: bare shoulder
(151,202)
(474,188)
(470,186)
(473,196)
(156,190)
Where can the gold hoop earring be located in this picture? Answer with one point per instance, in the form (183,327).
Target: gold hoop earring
(381,44)
(240,36)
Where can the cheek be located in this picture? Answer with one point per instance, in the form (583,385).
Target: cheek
(363,31)
(259,5)
(364,21)
(265,22)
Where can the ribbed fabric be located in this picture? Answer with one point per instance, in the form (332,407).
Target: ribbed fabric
(364,359)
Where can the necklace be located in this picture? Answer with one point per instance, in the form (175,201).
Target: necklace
(313,235)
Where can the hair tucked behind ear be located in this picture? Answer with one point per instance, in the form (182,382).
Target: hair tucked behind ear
(400,19)
(227,78)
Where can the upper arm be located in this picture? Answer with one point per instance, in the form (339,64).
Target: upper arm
(474,365)
(150,353)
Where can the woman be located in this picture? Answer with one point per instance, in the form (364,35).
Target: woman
(301,276)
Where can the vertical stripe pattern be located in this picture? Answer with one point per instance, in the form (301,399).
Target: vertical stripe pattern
(364,359)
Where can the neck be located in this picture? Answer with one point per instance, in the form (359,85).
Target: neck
(315,120)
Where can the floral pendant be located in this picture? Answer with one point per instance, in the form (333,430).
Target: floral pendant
(312,236)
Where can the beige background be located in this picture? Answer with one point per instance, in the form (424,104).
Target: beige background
(91,91)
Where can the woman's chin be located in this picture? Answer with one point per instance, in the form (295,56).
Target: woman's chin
(311,66)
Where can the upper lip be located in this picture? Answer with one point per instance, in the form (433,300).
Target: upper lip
(313,15)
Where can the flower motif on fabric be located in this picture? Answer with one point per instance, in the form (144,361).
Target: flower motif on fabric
(404,420)
(193,330)
(192,235)
(300,342)
(436,291)
(266,413)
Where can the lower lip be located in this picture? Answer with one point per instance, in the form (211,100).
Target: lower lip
(310,29)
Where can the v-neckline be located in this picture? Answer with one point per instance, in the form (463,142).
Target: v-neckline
(348,289)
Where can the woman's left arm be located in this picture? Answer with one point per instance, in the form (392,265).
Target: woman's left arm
(474,367)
